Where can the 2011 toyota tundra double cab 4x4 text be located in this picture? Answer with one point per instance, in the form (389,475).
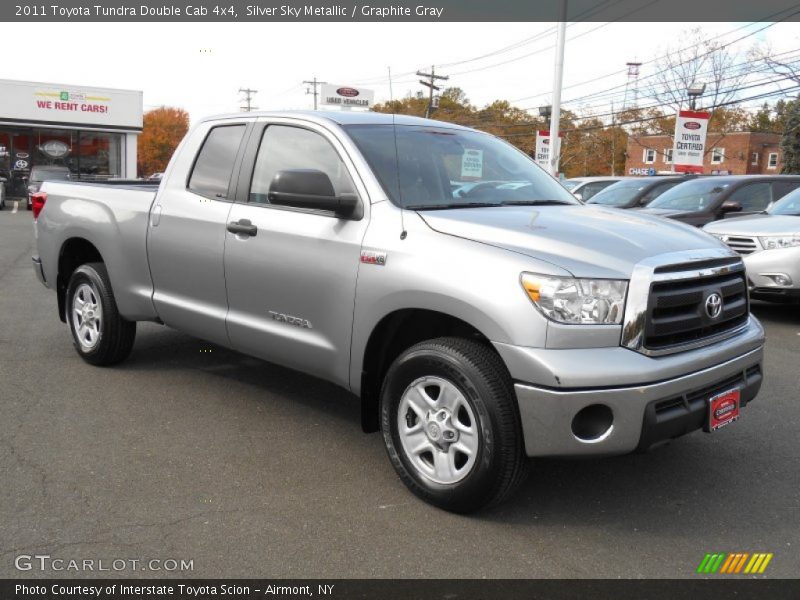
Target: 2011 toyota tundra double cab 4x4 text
(479,311)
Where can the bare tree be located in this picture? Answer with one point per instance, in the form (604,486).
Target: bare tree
(786,68)
(696,60)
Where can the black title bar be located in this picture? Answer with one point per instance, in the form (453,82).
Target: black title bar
(686,11)
(399,589)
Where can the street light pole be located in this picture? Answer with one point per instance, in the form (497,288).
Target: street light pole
(555,121)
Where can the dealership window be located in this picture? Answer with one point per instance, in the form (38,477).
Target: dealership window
(649,156)
(772,163)
(754,159)
(99,155)
(717,156)
(668,156)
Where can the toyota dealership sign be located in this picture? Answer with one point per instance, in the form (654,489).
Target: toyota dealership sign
(690,141)
(347,96)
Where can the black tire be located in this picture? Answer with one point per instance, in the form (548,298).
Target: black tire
(114,341)
(478,373)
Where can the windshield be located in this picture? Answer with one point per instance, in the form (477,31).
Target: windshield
(49,175)
(430,167)
(691,196)
(619,194)
(788,205)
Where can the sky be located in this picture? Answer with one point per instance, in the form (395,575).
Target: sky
(201,66)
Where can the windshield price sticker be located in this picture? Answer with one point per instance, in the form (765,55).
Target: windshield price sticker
(472,163)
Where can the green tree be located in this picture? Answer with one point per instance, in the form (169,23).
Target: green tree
(790,142)
(762,120)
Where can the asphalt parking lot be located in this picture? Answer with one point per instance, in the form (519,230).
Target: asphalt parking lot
(190,451)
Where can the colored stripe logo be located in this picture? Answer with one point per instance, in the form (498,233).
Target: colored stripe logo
(735,563)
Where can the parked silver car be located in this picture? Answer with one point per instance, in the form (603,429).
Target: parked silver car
(770,244)
(584,188)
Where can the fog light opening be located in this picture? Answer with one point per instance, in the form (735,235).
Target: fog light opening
(781,279)
(593,423)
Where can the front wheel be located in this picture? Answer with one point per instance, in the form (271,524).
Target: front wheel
(451,425)
(99,333)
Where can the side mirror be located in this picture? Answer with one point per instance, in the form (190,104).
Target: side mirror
(312,189)
(730,206)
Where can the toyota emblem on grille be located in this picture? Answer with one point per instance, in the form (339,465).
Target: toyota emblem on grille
(714,305)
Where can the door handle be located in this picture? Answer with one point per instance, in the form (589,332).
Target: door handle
(242,227)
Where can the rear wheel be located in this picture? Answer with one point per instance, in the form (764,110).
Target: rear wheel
(99,333)
(451,425)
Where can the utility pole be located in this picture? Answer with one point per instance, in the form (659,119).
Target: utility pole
(432,76)
(613,140)
(313,89)
(248,97)
(555,121)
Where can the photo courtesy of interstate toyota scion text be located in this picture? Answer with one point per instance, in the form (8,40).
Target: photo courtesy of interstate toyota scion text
(482,314)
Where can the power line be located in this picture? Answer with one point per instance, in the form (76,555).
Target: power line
(660,57)
(656,117)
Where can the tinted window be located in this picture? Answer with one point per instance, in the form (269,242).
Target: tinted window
(691,196)
(212,169)
(788,205)
(656,192)
(590,189)
(781,188)
(429,167)
(754,196)
(620,193)
(283,148)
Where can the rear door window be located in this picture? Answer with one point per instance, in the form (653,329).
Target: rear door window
(590,189)
(656,192)
(213,168)
(753,196)
(781,188)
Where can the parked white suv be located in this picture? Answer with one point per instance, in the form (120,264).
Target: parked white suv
(770,244)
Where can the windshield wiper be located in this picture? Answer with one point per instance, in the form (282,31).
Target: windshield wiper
(537,203)
(452,205)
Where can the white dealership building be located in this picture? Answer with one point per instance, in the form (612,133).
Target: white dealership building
(91,131)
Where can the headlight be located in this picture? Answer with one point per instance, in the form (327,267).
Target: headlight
(780,241)
(577,301)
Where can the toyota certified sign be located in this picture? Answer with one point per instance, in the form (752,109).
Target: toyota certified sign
(689,146)
(346,96)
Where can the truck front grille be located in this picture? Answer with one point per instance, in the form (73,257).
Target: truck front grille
(677,312)
(742,245)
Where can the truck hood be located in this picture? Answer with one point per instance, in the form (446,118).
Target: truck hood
(587,241)
(756,225)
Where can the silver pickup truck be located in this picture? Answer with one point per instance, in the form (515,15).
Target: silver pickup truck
(481,314)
